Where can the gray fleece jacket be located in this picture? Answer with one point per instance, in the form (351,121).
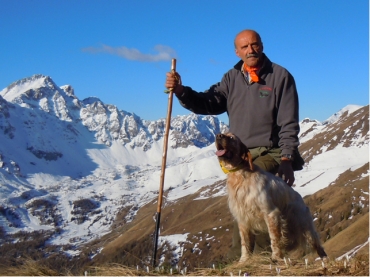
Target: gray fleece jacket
(263,114)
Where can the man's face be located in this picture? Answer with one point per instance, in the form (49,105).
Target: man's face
(249,48)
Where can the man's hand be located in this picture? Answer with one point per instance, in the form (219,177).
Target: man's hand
(286,172)
(173,81)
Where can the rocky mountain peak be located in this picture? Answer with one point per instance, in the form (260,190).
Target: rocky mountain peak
(40,94)
(348,127)
(82,168)
(30,87)
(69,90)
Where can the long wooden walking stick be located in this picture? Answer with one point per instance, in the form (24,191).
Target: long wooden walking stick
(164,159)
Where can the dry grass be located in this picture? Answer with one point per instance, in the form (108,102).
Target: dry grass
(29,268)
(258,265)
(116,270)
(262,266)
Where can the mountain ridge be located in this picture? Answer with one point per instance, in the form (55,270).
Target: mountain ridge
(82,169)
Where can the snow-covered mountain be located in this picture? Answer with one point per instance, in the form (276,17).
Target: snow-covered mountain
(72,165)
(57,152)
(311,127)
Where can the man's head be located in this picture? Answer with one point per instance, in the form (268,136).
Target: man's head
(249,47)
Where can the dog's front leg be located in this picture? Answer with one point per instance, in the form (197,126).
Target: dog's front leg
(247,243)
(274,225)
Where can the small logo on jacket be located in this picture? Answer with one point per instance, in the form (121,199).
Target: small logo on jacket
(265,91)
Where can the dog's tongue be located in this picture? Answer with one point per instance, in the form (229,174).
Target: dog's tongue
(220,153)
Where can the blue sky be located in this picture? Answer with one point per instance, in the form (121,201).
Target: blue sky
(120,51)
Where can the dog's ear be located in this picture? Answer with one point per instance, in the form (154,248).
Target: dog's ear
(249,159)
(247,156)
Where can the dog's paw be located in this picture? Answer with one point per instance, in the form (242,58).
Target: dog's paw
(322,253)
(243,260)
(276,257)
(325,259)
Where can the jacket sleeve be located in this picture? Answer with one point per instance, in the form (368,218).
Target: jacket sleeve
(211,102)
(288,115)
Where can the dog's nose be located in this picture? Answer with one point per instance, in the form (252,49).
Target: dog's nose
(219,136)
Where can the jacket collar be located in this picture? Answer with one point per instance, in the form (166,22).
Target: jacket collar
(265,65)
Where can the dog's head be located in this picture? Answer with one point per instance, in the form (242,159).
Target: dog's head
(231,152)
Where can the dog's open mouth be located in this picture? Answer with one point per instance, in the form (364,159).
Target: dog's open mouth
(221,151)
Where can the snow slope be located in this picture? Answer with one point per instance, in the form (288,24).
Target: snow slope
(74,164)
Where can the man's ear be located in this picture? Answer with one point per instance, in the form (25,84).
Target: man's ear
(237,53)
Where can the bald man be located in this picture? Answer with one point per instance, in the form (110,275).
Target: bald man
(261,100)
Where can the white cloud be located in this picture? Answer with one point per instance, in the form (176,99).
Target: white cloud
(164,53)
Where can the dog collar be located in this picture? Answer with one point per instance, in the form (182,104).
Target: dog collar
(227,171)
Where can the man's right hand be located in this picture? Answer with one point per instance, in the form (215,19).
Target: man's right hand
(173,81)
(286,172)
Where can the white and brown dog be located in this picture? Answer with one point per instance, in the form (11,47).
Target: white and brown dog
(263,203)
